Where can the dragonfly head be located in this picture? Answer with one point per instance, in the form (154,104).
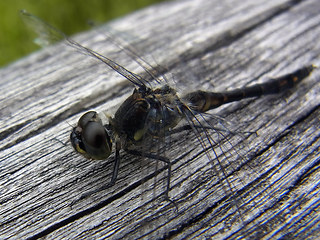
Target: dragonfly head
(90,138)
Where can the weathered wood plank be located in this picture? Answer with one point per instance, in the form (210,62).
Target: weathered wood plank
(205,44)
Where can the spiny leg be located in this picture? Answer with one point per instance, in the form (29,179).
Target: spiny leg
(163,159)
(113,178)
(155,157)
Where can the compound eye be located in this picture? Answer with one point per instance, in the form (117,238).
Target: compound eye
(91,116)
(90,137)
(96,140)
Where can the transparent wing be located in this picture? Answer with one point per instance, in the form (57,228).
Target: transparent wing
(47,34)
(121,40)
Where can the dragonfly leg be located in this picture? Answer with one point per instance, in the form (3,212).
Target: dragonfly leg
(116,164)
(163,159)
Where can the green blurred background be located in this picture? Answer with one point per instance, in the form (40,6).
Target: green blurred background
(70,16)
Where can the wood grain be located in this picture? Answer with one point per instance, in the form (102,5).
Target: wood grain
(216,45)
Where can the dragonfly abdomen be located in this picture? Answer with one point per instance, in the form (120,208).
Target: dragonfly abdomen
(202,101)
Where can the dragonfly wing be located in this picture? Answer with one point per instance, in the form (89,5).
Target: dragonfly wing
(47,34)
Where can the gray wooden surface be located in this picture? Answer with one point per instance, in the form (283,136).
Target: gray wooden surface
(214,45)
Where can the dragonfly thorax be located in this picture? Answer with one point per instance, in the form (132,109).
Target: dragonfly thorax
(146,114)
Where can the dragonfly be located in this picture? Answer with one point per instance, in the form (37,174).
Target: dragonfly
(150,114)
